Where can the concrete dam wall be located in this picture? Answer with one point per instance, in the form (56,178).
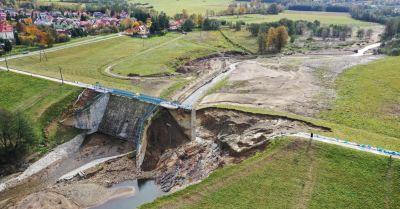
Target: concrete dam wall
(155,128)
(90,117)
(112,115)
(122,116)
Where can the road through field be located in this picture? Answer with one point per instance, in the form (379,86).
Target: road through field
(66,46)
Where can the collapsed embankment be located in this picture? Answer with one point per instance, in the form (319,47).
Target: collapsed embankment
(171,158)
(222,137)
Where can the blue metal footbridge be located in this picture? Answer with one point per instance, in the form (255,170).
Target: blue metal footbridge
(143,98)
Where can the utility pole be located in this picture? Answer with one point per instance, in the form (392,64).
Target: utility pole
(5,59)
(62,79)
(45,55)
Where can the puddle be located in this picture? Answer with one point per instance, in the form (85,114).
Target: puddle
(145,191)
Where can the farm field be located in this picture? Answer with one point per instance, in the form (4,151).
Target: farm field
(176,6)
(42,101)
(292,175)
(87,63)
(326,18)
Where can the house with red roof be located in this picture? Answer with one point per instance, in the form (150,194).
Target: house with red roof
(6,30)
(175,24)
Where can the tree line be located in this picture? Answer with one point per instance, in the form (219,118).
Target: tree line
(318,7)
(298,28)
(391,37)
(253,7)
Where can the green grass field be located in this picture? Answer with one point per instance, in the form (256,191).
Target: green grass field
(243,38)
(286,175)
(40,100)
(369,98)
(176,6)
(18,49)
(87,63)
(164,58)
(326,18)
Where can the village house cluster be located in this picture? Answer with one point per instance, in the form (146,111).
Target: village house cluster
(63,22)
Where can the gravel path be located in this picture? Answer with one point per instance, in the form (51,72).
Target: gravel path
(66,46)
(351,145)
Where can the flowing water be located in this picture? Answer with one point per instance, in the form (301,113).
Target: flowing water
(145,191)
(195,96)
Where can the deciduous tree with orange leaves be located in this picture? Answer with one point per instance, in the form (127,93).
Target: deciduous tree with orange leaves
(282,37)
(277,38)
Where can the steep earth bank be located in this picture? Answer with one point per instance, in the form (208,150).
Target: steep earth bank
(223,137)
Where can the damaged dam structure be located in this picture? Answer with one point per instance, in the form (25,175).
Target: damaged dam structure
(129,118)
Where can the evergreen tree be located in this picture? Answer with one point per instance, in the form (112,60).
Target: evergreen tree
(188,25)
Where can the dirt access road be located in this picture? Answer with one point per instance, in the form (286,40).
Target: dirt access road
(66,46)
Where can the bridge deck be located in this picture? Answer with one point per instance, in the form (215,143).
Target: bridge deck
(144,98)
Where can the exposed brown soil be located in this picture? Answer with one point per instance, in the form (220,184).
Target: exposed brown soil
(302,85)
(41,190)
(46,200)
(164,133)
(223,137)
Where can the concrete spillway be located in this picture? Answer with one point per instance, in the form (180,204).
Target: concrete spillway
(112,115)
(122,115)
(131,119)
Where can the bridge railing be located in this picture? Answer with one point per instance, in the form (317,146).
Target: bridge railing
(141,97)
(148,99)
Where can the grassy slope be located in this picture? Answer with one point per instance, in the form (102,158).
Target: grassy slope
(326,18)
(369,98)
(87,63)
(192,45)
(18,49)
(171,7)
(42,101)
(243,38)
(287,176)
